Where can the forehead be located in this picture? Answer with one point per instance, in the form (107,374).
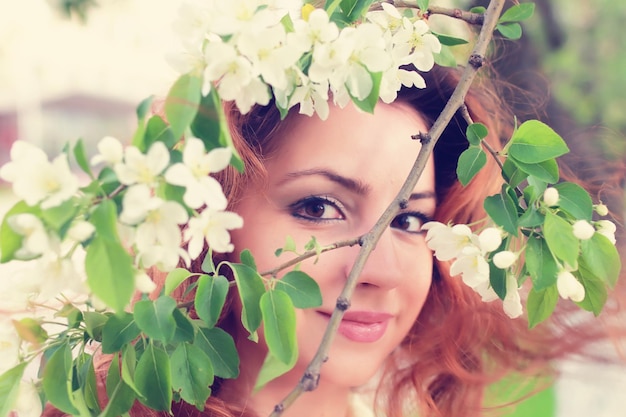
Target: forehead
(376,148)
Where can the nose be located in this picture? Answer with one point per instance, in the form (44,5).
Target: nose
(383,266)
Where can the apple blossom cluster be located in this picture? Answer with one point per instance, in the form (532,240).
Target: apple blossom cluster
(472,256)
(252,50)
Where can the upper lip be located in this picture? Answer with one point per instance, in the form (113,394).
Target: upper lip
(363,316)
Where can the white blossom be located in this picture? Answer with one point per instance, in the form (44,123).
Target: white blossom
(80,231)
(211,226)
(110,151)
(447,241)
(9,345)
(583,230)
(37,180)
(143,283)
(607,228)
(472,267)
(318,29)
(139,168)
(569,287)
(193,174)
(512,303)
(419,44)
(551,196)
(36,240)
(157,237)
(504,259)
(28,402)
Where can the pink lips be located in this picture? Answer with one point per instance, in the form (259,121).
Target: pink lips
(363,326)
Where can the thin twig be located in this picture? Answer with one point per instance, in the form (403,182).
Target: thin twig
(468,119)
(311,375)
(471,18)
(309,254)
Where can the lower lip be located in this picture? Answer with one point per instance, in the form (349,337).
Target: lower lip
(362,332)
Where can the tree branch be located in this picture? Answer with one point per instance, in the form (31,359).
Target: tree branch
(311,376)
(310,254)
(469,17)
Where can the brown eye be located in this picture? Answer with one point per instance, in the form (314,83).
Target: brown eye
(409,222)
(316,209)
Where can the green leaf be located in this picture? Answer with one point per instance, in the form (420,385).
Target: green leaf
(129,366)
(86,375)
(60,217)
(602,258)
(546,171)
(511,31)
(595,291)
(174,278)
(423,4)
(559,235)
(210,125)
(181,103)
(9,384)
(246,258)
(210,297)
(369,102)
(155,318)
(110,272)
(251,288)
(80,155)
(118,331)
(94,323)
(142,110)
(445,57)
(331,5)
(512,174)
(219,346)
(540,263)
(475,133)
(57,380)
(535,142)
(531,218)
(575,201)
(10,241)
(518,13)
(279,321)
(157,130)
(271,369)
(185,331)
(471,161)
(353,10)
(154,379)
(447,40)
(104,219)
(192,374)
(121,396)
(301,288)
(497,280)
(541,304)
(502,210)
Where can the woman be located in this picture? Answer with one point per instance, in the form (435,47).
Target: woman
(424,340)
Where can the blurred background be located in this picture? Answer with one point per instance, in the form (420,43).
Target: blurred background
(73,69)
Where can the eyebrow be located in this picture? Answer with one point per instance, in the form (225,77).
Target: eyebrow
(354,185)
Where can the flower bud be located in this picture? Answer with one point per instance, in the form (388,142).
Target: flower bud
(569,287)
(583,230)
(504,259)
(602,209)
(551,196)
(607,228)
(490,239)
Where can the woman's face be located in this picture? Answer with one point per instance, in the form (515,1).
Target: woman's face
(333,180)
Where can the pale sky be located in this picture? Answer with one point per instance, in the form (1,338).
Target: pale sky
(119,52)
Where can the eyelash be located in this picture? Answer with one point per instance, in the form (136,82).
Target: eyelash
(298,210)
